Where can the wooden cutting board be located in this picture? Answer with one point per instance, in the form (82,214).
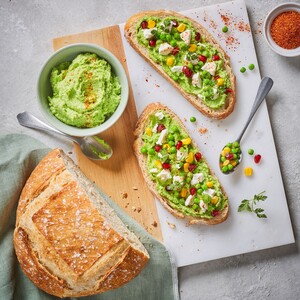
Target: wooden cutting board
(119,177)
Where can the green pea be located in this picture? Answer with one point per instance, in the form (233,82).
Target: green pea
(177,36)
(190,65)
(175,77)
(181,201)
(225,29)
(242,69)
(198,186)
(250,151)
(144,150)
(225,169)
(173,128)
(151,151)
(188,179)
(222,158)
(171,137)
(192,119)
(229,145)
(196,200)
(163,36)
(195,206)
(204,187)
(251,67)
(236,144)
(205,53)
(168,37)
(199,191)
(200,64)
(230,167)
(171,143)
(173,43)
(173,150)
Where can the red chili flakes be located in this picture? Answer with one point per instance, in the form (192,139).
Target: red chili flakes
(202,130)
(243,27)
(285,30)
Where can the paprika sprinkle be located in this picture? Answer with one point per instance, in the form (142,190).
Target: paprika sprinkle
(285,30)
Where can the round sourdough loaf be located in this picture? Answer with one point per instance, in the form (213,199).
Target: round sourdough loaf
(68,240)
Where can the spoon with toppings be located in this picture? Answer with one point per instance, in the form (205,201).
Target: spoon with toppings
(231,154)
(91,146)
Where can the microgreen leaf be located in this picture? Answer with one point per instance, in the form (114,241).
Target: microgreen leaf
(248,205)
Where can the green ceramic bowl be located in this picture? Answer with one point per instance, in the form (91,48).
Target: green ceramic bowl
(44,88)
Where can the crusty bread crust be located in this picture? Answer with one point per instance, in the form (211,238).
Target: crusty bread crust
(131,35)
(142,159)
(68,240)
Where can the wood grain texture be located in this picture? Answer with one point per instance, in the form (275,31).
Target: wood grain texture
(119,177)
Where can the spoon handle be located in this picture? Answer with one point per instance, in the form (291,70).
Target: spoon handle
(26,119)
(263,90)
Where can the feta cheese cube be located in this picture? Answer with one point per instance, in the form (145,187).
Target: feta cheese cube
(180,155)
(160,115)
(196,80)
(178,179)
(162,137)
(197,178)
(216,94)
(210,192)
(176,69)
(154,129)
(210,67)
(165,49)
(153,170)
(203,206)
(186,36)
(189,200)
(148,33)
(164,175)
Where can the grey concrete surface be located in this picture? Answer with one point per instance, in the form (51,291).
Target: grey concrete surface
(27,28)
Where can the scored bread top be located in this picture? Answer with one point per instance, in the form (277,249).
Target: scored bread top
(138,144)
(130,32)
(68,241)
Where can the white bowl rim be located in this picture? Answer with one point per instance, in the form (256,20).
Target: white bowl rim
(268,21)
(81,132)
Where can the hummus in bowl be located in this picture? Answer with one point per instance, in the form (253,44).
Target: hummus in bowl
(82,89)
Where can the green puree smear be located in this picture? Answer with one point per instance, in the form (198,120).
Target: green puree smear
(85,91)
(186,57)
(181,174)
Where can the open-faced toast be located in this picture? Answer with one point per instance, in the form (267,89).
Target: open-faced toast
(175,170)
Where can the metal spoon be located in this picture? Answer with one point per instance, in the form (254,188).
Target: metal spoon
(92,146)
(231,154)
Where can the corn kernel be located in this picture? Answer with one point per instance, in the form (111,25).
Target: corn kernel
(148,131)
(226,150)
(151,24)
(214,200)
(186,141)
(167,146)
(233,162)
(248,171)
(220,81)
(209,184)
(190,157)
(170,61)
(181,27)
(183,192)
(158,164)
(186,167)
(226,162)
(192,48)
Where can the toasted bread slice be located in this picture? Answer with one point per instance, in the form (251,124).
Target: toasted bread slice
(205,103)
(203,212)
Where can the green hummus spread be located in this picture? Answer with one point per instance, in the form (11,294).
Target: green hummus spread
(180,173)
(186,57)
(85,91)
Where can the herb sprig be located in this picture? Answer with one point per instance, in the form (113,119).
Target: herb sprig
(248,205)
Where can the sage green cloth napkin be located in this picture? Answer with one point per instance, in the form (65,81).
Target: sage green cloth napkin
(19,155)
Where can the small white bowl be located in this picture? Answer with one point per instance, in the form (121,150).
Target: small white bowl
(44,89)
(267,25)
